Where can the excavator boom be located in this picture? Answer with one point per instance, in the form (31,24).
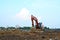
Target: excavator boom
(33,18)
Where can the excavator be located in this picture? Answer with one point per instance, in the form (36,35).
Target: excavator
(38,25)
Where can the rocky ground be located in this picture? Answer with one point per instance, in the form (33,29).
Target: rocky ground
(32,34)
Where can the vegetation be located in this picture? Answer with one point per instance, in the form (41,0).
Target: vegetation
(13,28)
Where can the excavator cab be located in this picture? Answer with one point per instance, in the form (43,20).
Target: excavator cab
(40,25)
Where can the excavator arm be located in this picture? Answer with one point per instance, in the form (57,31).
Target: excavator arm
(36,20)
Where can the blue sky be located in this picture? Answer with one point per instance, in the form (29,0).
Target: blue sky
(17,12)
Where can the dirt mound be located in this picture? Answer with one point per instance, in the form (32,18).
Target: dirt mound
(33,34)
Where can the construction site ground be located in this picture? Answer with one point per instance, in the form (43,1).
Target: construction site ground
(32,34)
